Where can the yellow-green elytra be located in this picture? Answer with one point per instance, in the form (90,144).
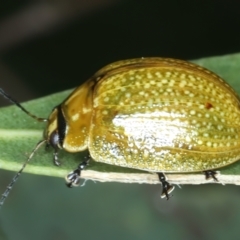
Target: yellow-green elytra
(156,114)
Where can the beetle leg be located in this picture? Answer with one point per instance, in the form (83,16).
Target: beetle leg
(210,174)
(167,188)
(55,157)
(73,178)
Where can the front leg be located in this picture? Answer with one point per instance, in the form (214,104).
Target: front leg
(73,178)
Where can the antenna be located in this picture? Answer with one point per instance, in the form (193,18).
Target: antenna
(15,178)
(9,98)
(39,144)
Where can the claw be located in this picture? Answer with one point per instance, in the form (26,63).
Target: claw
(73,178)
(166,191)
(210,174)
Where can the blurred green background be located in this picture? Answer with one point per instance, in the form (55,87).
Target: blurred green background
(47,46)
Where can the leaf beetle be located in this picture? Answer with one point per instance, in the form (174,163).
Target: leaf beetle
(160,115)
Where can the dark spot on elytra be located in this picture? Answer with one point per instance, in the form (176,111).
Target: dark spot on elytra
(208,105)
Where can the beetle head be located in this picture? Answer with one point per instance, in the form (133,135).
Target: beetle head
(55,131)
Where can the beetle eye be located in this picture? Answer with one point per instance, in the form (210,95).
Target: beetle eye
(54,139)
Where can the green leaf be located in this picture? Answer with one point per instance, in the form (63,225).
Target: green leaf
(19,134)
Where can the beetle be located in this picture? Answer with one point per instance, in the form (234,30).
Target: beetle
(160,115)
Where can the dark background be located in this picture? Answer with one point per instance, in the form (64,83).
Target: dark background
(50,54)
(50,46)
